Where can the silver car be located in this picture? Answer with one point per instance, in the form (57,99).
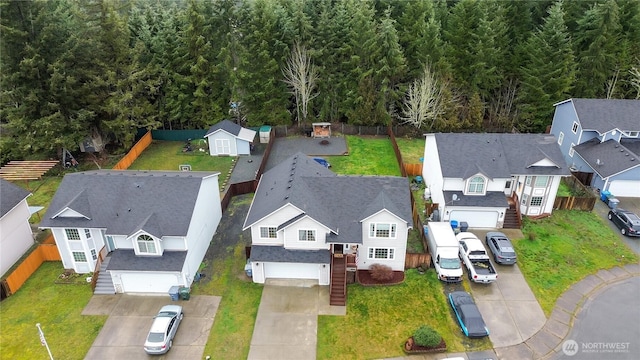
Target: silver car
(163,330)
(501,248)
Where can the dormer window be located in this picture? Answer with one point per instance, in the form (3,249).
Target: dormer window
(476,185)
(574,128)
(146,245)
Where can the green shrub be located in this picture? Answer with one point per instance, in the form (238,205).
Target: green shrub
(426,336)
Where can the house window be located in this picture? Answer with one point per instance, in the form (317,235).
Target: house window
(476,185)
(381,230)
(306,235)
(574,128)
(268,232)
(507,185)
(72,234)
(87,233)
(527,180)
(381,253)
(146,244)
(541,181)
(560,138)
(631,133)
(536,201)
(525,197)
(79,256)
(93,254)
(571,149)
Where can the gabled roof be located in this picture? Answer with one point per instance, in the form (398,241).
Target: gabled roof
(609,157)
(10,196)
(337,202)
(604,115)
(126,259)
(280,254)
(463,155)
(233,129)
(124,202)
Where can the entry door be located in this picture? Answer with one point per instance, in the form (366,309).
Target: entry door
(338,249)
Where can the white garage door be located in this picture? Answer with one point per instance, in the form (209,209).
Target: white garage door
(291,271)
(625,188)
(476,219)
(148,283)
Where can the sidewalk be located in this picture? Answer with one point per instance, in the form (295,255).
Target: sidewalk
(547,342)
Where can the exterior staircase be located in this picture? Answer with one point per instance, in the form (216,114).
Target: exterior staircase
(338,288)
(512,218)
(104,285)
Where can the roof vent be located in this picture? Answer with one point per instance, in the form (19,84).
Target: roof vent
(621,150)
(599,162)
(286,197)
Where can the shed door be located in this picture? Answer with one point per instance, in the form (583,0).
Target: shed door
(223,146)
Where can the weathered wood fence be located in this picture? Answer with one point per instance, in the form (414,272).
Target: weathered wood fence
(413,260)
(584,199)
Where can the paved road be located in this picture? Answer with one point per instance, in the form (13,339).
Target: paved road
(604,322)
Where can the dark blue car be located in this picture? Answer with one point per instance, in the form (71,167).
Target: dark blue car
(468,314)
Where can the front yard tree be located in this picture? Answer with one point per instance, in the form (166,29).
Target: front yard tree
(301,75)
(423,102)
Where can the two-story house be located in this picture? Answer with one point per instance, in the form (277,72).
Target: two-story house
(304,219)
(600,141)
(481,178)
(15,232)
(155,226)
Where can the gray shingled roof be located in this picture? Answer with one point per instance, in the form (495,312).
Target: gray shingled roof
(607,158)
(226,125)
(10,196)
(123,259)
(338,202)
(604,115)
(123,202)
(490,199)
(498,155)
(280,254)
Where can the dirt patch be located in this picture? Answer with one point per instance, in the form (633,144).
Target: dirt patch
(365,279)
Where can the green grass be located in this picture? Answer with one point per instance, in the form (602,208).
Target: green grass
(380,319)
(560,250)
(411,149)
(168,155)
(367,156)
(57,308)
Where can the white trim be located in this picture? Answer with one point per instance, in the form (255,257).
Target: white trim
(391,253)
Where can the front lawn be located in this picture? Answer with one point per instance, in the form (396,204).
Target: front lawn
(380,319)
(367,156)
(561,250)
(57,308)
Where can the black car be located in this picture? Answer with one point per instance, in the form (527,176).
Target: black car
(468,315)
(626,221)
(501,248)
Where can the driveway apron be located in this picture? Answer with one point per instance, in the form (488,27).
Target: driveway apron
(286,326)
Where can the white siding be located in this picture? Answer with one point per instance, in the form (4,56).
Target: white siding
(277,218)
(399,243)
(15,235)
(291,235)
(431,170)
(174,243)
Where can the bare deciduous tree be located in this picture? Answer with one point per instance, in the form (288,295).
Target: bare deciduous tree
(635,80)
(301,76)
(423,100)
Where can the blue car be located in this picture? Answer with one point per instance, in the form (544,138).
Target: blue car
(322,162)
(468,314)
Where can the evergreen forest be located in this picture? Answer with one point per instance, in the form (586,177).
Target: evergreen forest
(77,68)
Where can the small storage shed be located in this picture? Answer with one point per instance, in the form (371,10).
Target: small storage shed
(227,138)
(321,130)
(265,134)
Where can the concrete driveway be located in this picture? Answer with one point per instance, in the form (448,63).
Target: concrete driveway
(631,204)
(508,306)
(130,316)
(286,326)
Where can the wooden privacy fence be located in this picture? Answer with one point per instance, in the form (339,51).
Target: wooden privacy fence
(583,199)
(396,150)
(43,252)
(135,151)
(413,169)
(413,260)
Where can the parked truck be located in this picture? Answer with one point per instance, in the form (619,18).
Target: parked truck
(475,259)
(443,247)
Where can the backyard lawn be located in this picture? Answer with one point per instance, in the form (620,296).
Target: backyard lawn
(367,156)
(57,308)
(563,249)
(412,150)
